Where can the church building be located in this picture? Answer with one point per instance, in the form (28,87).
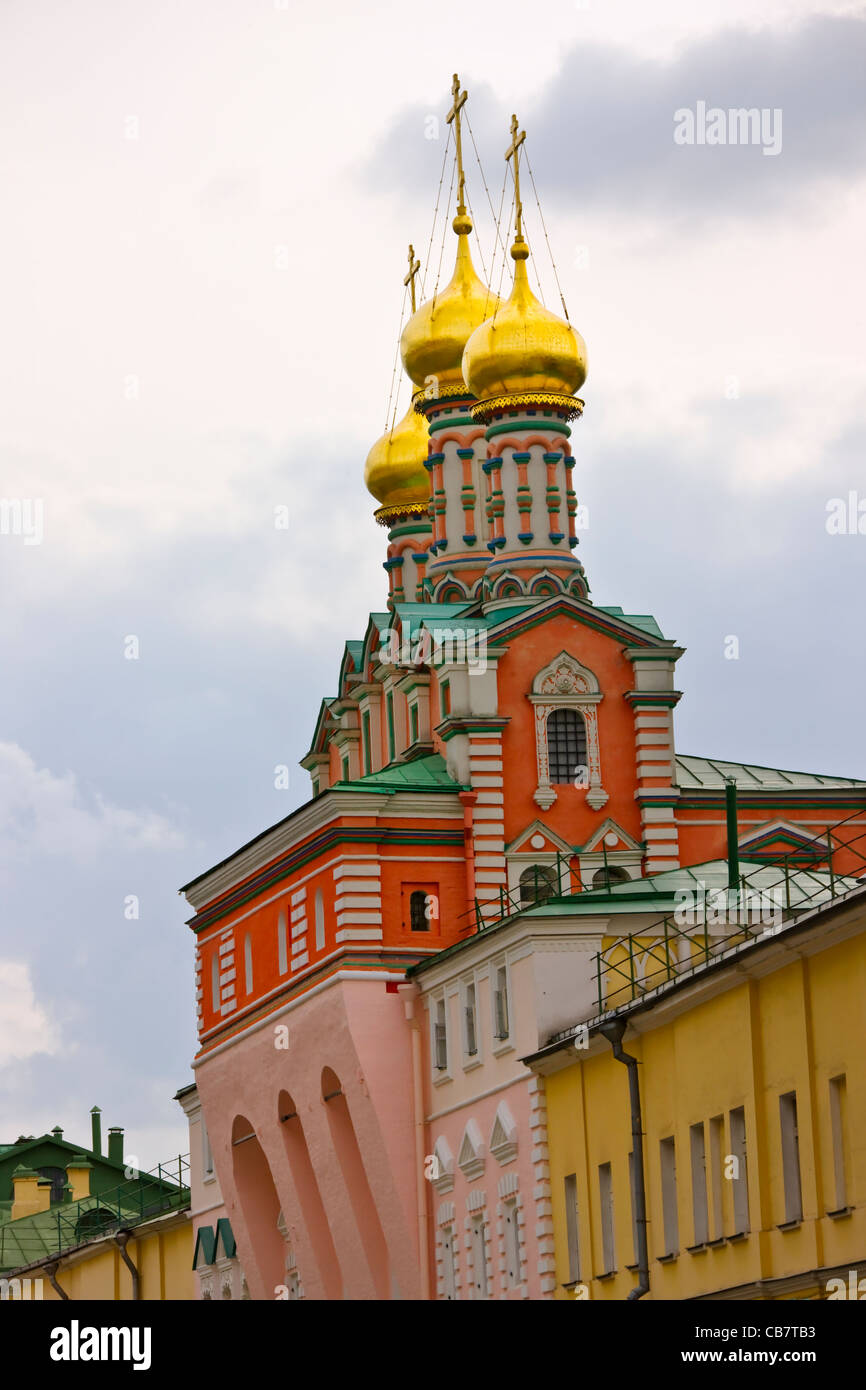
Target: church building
(495,742)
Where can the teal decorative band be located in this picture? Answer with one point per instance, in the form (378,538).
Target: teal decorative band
(449,421)
(522,426)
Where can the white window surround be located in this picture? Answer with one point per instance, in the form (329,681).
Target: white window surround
(444,1182)
(566,684)
(505,1043)
(439,1006)
(470,1059)
(470,1158)
(503,1136)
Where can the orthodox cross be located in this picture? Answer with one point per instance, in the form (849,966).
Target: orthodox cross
(454,115)
(414,267)
(513,148)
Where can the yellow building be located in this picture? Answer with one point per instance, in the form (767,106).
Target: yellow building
(752,1095)
(79,1224)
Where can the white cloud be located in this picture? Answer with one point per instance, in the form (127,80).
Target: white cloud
(49,814)
(25,1027)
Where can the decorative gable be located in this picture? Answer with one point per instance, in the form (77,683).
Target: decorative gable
(613,838)
(503,1138)
(470,1159)
(772,842)
(537,839)
(442,1169)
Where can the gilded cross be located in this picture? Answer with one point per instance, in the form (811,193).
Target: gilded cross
(414,267)
(513,148)
(454,115)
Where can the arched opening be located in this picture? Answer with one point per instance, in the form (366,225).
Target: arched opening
(57,1177)
(259,1203)
(309,1197)
(357,1185)
(605,876)
(537,884)
(566,747)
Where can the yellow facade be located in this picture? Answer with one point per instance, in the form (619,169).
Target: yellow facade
(786,1020)
(161,1250)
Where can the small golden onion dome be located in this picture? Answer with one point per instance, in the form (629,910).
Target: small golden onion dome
(394,472)
(525,350)
(434,338)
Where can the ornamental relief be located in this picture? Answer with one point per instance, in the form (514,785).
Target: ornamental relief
(565,684)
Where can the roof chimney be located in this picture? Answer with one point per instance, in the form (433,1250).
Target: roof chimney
(115,1144)
(96,1130)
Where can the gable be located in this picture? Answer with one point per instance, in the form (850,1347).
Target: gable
(536,839)
(779,840)
(612,838)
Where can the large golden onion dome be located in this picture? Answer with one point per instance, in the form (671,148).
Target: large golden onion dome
(434,338)
(524,354)
(394,472)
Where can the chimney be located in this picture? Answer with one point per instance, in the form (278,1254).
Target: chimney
(57,1132)
(96,1130)
(78,1172)
(29,1196)
(115,1144)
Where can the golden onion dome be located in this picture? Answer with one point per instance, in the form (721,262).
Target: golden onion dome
(434,338)
(524,351)
(394,472)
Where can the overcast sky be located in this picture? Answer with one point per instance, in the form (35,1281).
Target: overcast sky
(206,210)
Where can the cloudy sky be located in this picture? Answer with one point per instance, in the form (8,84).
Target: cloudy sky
(206,212)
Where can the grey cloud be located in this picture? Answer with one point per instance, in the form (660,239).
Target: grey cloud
(603,133)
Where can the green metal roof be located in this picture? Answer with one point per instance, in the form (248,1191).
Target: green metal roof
(67,1225)
(712,773)
(419,775)
(645,621)
(412,615)
(657,892)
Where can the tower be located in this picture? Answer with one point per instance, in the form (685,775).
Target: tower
(523,367)
(432,347)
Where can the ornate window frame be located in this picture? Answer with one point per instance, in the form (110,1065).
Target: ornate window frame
(565,684)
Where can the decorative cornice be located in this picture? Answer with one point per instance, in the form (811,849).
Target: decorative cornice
(385,515)
(571,407)
(455,392)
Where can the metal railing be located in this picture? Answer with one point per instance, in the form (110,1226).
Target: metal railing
(69,1224)
(820,850)
(672,948)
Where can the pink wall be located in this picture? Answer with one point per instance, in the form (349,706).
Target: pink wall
(329,1157)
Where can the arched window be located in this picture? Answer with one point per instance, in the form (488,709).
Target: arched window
(319,913)
(248,963)
(418,919)
(603,878)
(566,747)
(57,1177)
(537,884)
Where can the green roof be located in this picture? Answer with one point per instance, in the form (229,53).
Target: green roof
(419,775)
(657,892)
(712,773)
(413,615)
(644,621)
